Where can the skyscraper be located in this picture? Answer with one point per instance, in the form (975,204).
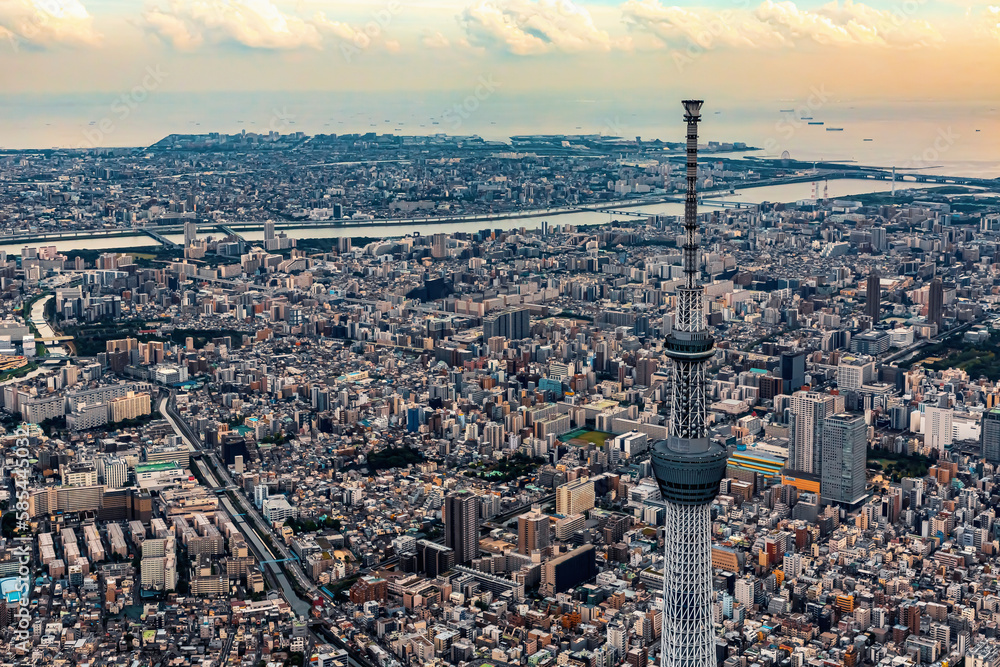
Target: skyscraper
(793,371)
(845,444)
(808,410)
(461,525)
(935,302)
(991,436)
(879,239)
(190,234)
(532,532)
(938,427)
(873,290)
(644,369)
(688,466)
(513,324)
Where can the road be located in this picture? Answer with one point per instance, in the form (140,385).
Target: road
(273,571)
(500,519)
(910,350)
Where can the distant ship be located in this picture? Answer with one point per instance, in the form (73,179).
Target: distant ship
(816,122)
(834,129)
(806,118)
(868,140)
(787,110)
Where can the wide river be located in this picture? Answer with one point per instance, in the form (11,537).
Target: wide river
(838,188)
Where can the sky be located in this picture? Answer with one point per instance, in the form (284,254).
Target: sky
(885,50)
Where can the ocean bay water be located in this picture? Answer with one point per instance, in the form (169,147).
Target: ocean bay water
(933,137)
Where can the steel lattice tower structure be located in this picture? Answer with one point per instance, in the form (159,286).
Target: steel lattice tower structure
(688,467)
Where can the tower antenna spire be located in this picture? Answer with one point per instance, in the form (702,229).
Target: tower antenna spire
(688,467)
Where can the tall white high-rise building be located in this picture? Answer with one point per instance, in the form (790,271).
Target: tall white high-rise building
(792,566)
(115,473)
(617,640)
(938,427)
(745,591)
(808,409)
(190,233)
(260,493)
(855,372)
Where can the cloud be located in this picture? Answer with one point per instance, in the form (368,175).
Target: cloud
(704,27)
(533,27)
(47,23)
(992,15)
(256,24)
(339,30)
(778,24)
(850,24)
(435,40)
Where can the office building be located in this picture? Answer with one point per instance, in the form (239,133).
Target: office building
(873,296)
(512,324)
(434,559)
(990,436)
(938,427)
(871,342)
(190,234)
(793,371)
(845,443)
(807,410)
(115,473)
(855,372)
(569,570)
(935,302)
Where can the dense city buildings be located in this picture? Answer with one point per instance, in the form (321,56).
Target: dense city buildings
(519,442)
